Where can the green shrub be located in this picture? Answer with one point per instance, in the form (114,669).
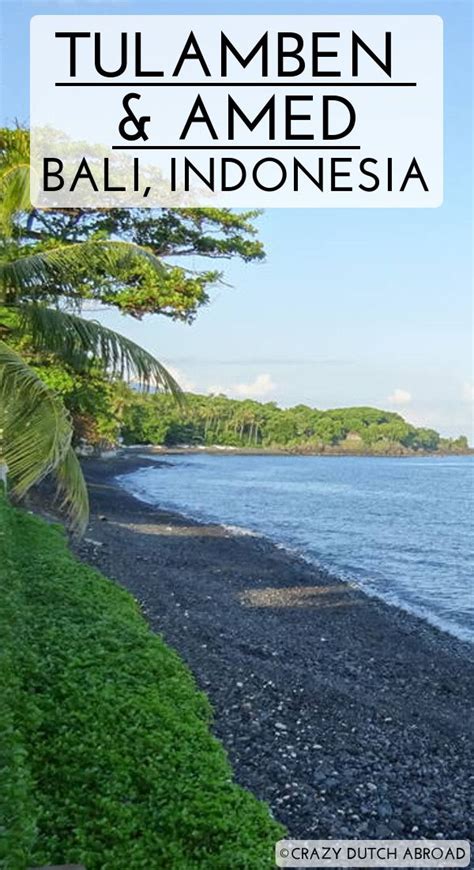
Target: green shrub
(107,755)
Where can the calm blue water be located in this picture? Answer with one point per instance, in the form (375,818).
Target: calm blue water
(400,528)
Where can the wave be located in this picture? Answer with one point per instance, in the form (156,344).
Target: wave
(362,582)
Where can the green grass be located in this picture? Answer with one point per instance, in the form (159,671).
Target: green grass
(106,753)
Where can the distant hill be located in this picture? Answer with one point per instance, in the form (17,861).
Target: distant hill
(246,424)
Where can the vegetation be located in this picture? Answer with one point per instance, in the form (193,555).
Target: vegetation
(55,263)
(107,758)
(216,420)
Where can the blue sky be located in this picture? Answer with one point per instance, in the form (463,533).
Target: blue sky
(352,306)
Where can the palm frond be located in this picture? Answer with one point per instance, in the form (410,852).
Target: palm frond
(72,490)
(36,433)
(14,175)
(65,264)
(74,339)
(14,193)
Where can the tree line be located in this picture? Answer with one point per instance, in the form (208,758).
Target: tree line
(220,421)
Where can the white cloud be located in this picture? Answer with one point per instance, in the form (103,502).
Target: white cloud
(261,386)
(468,392)
(399,397)
(257,389)
(187,385)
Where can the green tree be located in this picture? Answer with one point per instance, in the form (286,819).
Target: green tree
(55,262)
(35,282)
(426,439)
(210,420)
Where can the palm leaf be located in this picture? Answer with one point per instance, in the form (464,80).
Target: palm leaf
(14,175)
(14,193)
(73,491)
(65,264)
(36,433)
(76,340)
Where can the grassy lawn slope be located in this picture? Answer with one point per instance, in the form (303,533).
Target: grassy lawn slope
(106,755)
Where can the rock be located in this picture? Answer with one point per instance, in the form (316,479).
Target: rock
(93,543)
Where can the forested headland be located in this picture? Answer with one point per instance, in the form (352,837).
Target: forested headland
(220,421)
(203,420)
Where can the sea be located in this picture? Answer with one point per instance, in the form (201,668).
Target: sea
(401,529)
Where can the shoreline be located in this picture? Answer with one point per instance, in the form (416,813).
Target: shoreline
(425,618)
(217,450)
(347,714)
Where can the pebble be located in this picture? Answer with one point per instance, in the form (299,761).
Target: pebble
(364,779)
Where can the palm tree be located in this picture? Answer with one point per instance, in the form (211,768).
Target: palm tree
(35,301)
